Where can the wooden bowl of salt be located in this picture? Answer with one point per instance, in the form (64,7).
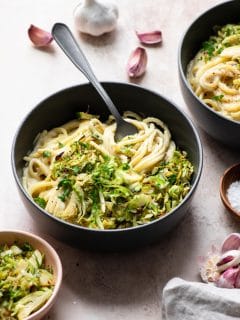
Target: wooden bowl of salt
(230,190)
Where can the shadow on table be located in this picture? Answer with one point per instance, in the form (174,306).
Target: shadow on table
(100,41)
(127,277)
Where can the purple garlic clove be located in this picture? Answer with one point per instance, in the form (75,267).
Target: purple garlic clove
(137,63)
(228,259)
(39,37)
(152,37)
(228,278)
(232,242)
(237,281)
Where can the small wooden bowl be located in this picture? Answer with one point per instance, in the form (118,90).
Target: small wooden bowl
(231,175)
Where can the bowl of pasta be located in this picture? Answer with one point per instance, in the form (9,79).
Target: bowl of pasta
(209,72)
(83,187)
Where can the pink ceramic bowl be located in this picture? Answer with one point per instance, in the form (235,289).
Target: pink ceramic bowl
(51,259)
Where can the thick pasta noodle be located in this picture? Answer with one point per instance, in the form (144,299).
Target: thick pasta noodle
(214,73)
(78,173)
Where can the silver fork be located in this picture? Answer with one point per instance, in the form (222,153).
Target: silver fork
(66,41)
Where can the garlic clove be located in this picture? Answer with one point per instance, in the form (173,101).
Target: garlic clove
(95,18)
(225,260)
(237,281)
(228,278)
(39,37)
(152,37)
(137,63)
(228,259)
(232,242)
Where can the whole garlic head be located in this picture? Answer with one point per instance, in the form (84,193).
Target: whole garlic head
(95,18)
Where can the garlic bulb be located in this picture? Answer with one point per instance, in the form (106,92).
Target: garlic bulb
(95,18)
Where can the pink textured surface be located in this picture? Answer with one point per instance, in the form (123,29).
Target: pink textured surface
(109,286)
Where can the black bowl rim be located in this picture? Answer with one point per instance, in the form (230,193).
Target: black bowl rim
(130,229)
(183,76)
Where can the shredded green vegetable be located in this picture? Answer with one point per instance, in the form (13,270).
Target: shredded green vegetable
(226,36)
(91,180)
(25,283)
(110,194)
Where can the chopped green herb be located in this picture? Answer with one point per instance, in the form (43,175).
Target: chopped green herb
(76,170)
(26,247)
(208,47)
(40,201)
(172,178)
(218,98)
(219,50)
(125,166)
(46,154)
(66,185)
(88,168)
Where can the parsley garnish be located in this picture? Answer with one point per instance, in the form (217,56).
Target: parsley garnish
(66,185)
(40,201)
(172,178)
(26,247)
(208,47)
(76,170)
(46,154)
(125,166)
(218,98)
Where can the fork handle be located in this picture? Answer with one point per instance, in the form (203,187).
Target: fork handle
(66,41)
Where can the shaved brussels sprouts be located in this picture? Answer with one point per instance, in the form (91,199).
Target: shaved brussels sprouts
(25,283)
(110,194)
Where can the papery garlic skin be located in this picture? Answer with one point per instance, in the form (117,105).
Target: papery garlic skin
(228,259)
(152,37)
(208,268)
(39,37)
(137,63)
(95,18)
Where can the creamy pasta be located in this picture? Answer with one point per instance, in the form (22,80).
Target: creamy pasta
(78,173)
(214,73)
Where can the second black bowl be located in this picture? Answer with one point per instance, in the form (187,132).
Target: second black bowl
(222,129)
(62,107)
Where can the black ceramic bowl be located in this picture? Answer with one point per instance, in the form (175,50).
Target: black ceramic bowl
(222,129)
(62,107)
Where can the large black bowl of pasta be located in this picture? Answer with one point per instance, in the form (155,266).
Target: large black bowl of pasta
(83,187)
(209,72)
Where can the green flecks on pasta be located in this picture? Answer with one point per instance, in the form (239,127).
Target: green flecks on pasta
(93,181)
(25,283)
(214,73)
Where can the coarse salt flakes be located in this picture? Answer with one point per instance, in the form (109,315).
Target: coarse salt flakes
(233,194)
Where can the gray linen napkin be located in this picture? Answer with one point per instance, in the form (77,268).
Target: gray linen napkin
(184,300)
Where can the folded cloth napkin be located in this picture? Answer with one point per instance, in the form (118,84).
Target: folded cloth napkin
(184,300)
